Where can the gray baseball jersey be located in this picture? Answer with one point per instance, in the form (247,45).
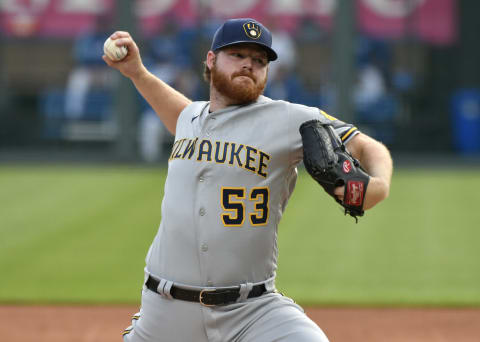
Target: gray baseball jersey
(230,175)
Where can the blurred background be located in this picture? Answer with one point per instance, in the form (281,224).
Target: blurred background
(83,158)
(405,71)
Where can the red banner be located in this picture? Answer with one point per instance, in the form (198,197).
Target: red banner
(57,18)
(67,18)
(156,14)
(430,20)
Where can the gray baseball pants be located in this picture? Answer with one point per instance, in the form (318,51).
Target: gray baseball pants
(268,318)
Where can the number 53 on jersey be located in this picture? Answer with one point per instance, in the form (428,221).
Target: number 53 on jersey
(234,201)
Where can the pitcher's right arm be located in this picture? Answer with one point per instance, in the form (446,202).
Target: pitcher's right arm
(167,102)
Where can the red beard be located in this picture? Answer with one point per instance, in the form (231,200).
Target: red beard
(243,93)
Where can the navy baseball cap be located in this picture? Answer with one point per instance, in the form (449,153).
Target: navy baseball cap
(243,30)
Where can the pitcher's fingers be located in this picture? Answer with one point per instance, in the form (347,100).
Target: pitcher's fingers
(120,34)
(123,41)
(339,192)
(129,43)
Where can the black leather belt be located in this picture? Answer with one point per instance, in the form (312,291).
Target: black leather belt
(207,297)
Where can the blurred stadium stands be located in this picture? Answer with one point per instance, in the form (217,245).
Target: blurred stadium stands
(406,93)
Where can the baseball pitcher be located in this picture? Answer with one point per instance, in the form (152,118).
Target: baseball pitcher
(210,271)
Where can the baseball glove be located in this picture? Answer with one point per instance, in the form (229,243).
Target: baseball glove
(331,165)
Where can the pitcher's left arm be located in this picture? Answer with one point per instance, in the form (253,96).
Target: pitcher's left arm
(377,162)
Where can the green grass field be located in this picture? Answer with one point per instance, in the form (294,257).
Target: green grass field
(73,234)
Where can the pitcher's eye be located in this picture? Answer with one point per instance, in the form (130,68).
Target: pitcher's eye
(261,61)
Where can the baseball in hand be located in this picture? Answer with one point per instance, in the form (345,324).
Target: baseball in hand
(114,52)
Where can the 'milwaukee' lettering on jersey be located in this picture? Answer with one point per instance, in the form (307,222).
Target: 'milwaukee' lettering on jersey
(234,154)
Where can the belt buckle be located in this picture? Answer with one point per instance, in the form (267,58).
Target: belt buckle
(200,299)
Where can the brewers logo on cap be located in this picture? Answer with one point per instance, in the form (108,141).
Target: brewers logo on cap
(243,30)
(252,30)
